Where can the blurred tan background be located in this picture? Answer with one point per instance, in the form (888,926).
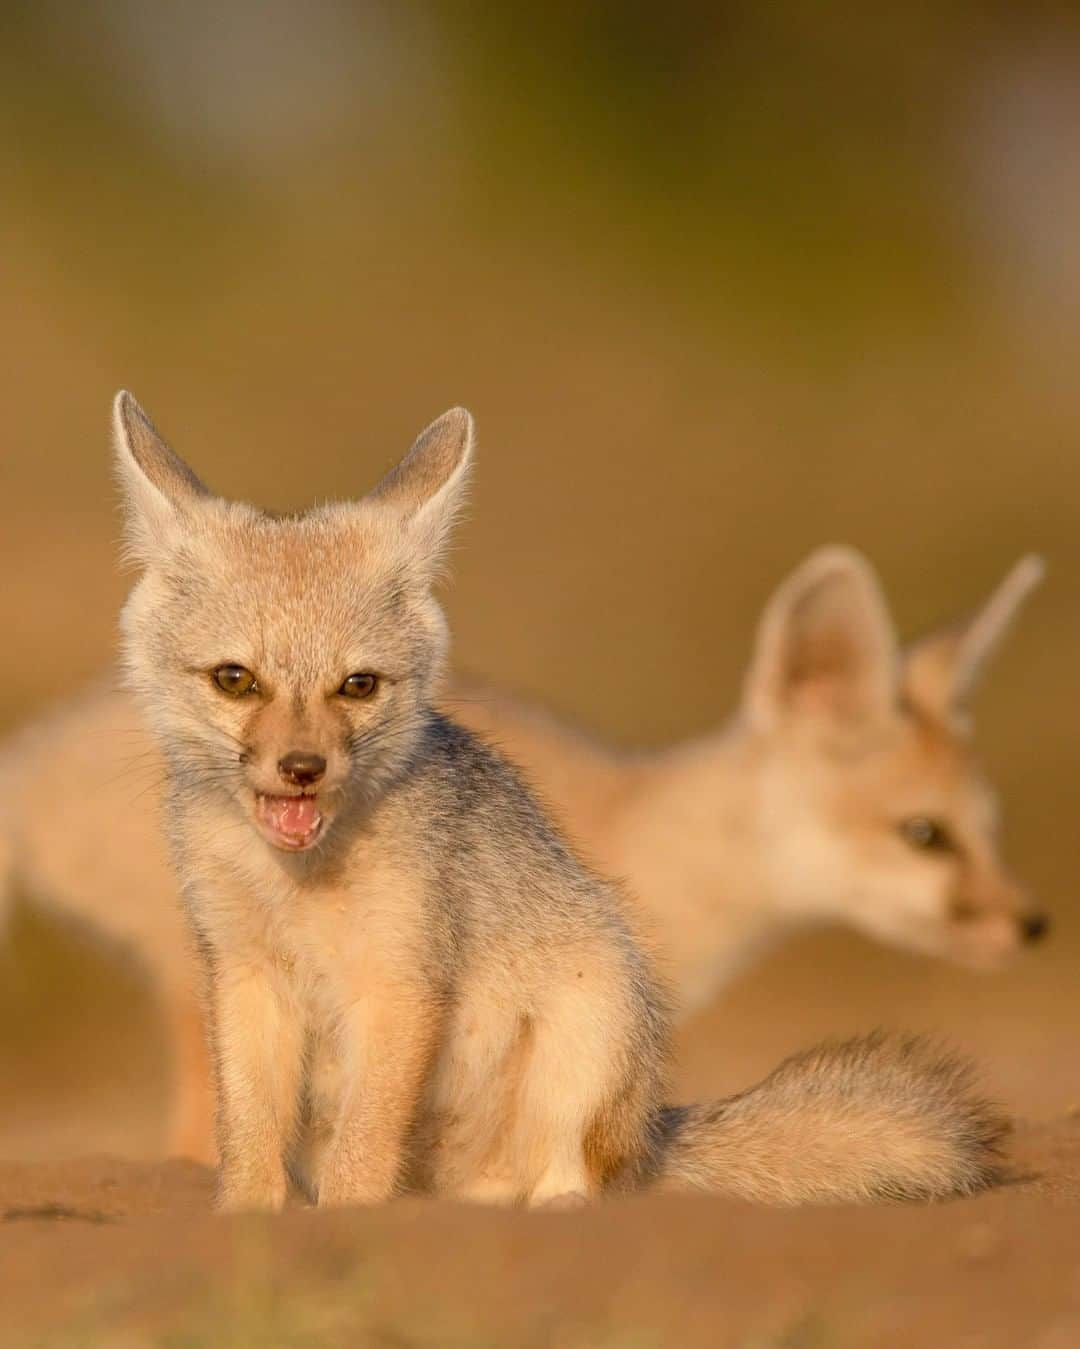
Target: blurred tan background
(720,284)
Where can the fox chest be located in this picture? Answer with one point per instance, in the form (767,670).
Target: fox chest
(327,951)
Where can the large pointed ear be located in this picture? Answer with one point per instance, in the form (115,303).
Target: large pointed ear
(427,488)
(159,488)
(825,645)
(942,669)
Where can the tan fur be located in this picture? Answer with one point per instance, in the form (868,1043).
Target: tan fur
(788,817)
(728,843)
(411,981)
(902,1140)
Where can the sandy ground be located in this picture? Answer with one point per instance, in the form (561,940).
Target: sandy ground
(101,1243)
(106,1250)
(132,1247)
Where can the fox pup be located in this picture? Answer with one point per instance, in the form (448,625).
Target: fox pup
(411,981)
(844,790)
(729,841)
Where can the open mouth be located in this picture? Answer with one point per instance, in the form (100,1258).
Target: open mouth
(289,822)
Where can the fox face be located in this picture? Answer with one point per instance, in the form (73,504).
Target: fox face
(287,661)
(884,816)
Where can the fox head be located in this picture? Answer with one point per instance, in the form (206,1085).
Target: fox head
(286,663)
(883,817)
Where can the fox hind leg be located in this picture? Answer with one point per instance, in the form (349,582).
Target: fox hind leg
(190,1128)
(541,1110)
(473,1100)
(560,1092)
(578,1067)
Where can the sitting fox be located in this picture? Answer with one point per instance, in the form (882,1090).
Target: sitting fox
(411,981)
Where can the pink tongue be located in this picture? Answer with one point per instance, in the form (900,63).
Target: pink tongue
(296,815)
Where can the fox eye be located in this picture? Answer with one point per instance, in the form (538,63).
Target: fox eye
(926,834)
(235,680)
(359,686)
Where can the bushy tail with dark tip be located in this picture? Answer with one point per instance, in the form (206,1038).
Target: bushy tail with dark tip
(875,1118)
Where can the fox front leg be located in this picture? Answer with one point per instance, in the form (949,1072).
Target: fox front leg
(386,1046)
(257,1042)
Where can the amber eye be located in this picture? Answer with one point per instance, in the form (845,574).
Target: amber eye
(926,834)
(359,686)
(236,680)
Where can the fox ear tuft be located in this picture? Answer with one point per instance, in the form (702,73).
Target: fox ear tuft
(825,646)
(942,670)
(427,488)
(158,486)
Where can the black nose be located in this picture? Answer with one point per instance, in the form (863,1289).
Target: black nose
(1034,927)
(302,767)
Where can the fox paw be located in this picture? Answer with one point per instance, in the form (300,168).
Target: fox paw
(244,1195)
(562,1203)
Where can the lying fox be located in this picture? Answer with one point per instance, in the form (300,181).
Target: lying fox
(411,981)
(844,790)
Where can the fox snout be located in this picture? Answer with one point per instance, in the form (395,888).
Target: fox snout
(998,914)
(295,819)
(296,793)
(1033,926)
(302,768)
(1031,923)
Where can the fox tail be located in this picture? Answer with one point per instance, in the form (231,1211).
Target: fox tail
(874,1118)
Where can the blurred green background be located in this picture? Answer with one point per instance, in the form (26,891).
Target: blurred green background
(720,284)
